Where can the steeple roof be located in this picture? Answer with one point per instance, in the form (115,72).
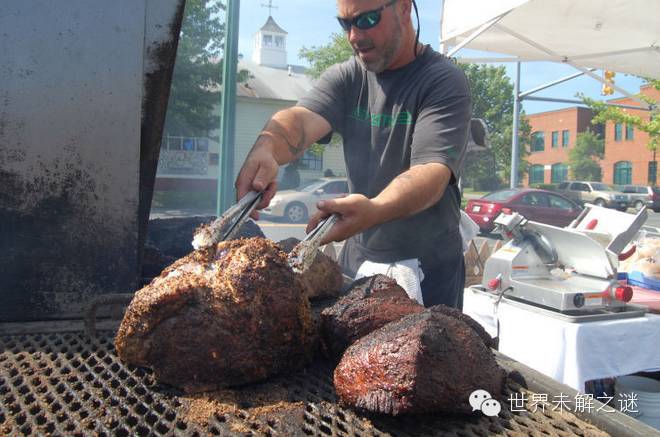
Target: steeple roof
(271,26)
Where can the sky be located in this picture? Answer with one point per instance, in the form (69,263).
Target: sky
(311,22)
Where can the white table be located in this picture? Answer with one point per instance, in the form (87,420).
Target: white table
(571,353)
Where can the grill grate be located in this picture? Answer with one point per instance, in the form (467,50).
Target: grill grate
(68,384)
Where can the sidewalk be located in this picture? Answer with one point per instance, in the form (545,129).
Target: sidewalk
(162,213)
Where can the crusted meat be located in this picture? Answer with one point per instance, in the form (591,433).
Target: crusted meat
(225,316)
(323,279)
(425,362)
(371,303)
(476,327)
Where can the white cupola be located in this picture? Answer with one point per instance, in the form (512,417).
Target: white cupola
(270,45)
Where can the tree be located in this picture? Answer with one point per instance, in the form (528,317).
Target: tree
(321,58)
(582,158)
(492,94)
(197,74)
(492,100)
(650,125)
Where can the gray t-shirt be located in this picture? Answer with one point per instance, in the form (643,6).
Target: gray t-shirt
(389,122)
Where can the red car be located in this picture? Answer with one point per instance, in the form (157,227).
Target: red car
(537,205)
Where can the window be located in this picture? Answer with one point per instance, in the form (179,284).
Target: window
(534,199)
(629,131)
(188,144)
(202,144)
(336,187)
(565,138)
(580,186)
(623,172)
(538,142)
(563,186)
(500,196)
(279,41)
(174,143)
(268,40)
(310,161)
(555,139)
(617,131)
(185,143)
(653,172)
(559,202)
(536,174)
(559,173)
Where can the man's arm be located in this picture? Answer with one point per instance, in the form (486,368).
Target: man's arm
(284,138)
(411,192)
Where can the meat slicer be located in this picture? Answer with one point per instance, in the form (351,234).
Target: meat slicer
(568,270)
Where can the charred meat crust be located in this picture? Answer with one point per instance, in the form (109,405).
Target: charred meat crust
(225,316)
(425,362)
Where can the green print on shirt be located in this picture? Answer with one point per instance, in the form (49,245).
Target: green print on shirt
(381,120)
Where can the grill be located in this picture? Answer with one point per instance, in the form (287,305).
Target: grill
(69,384)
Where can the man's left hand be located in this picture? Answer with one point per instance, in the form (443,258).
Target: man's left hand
(357,213)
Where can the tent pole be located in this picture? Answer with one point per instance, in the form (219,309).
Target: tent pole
(551,84)
(612,53)
(498,60)
(442,44)
(567,60)
(580,102)
(514,140)
(616,88)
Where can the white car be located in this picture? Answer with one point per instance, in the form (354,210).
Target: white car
(297,205)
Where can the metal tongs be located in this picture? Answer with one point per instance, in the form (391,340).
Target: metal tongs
(303,254)
(228,224)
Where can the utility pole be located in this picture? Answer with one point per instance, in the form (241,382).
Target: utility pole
(225,190)
(515,156)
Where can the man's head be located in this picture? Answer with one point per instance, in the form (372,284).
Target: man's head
(380,32)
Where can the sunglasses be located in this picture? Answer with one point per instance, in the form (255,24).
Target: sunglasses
(365,20)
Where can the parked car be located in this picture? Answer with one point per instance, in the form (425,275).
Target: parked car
(641,195)
(597,193)
(538,205)
(296,205)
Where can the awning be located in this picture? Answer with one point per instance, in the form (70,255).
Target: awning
(617,35)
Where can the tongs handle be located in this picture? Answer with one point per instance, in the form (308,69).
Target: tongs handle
(322,229)
(229,223)
(303,254)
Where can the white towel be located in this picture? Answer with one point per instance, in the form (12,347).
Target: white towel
(469,230)
(407,273)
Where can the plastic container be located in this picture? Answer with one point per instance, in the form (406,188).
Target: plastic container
(647,393)
(637,278)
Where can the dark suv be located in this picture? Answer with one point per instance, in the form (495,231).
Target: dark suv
(643,195)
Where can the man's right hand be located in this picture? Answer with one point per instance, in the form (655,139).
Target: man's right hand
(259,172)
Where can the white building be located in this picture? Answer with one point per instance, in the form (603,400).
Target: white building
(192,164)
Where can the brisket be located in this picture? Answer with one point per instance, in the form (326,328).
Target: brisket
(370,303)
(426,362)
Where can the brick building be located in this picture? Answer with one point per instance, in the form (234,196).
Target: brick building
(627,159)
(553,134)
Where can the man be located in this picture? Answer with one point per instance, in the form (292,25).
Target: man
(403,111)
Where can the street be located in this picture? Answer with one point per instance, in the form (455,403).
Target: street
(277,228)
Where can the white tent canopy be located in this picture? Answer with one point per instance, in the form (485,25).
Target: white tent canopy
(617,35)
